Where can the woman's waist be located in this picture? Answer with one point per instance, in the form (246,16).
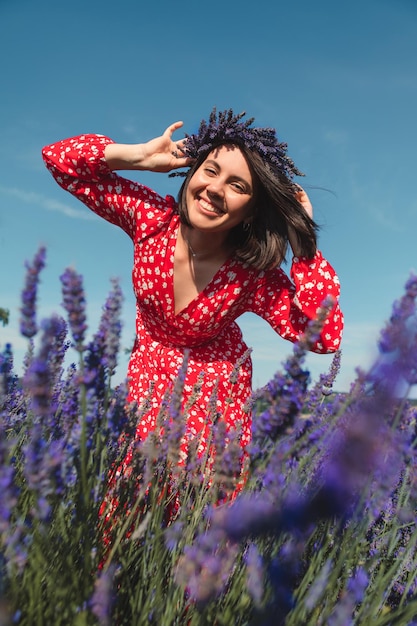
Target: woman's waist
(182,339)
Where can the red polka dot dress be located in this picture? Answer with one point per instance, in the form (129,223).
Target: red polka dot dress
(218,358)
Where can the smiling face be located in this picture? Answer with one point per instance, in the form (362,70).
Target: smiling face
(220,194)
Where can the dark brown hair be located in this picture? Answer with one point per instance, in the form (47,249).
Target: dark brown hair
(264,244)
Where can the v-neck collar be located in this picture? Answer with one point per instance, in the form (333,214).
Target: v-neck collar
(172,245)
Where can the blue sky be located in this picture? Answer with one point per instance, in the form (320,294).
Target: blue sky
(337,80)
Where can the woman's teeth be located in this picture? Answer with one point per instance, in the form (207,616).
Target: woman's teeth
(209,207)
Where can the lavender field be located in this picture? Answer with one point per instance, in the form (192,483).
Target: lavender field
(323,531)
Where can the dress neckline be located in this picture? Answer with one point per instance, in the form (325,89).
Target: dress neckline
(172,246)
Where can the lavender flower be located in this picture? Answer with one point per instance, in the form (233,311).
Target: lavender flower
(234,376)
(111,326)
(285,394)
(8,488)
(7,379)
(318,587)
(343,612)
(283,572)
(15,548)
(171,419)
(68,401)
(74,304)
(256,515)
(324,385)
(398,343)
(227,127)
(38,379)
(283,397)
(103,596)
(340,485)
(206,566)
(394,335)
(228,460)
(101,358)
(118,421)
(254,573)
(28,326)
(6,362)
(42,469)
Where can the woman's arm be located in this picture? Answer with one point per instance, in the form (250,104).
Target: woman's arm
(289,305)
(161,154)
(79,166)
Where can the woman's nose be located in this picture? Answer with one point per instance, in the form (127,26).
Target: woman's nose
(215,187)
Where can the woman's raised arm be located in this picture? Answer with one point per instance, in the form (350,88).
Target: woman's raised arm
(161,154)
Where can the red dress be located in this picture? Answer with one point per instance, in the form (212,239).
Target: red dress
(207,325)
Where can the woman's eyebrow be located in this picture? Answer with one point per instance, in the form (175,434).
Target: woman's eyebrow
(235,176)
(212,162)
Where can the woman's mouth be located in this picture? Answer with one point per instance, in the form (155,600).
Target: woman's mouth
(210,208)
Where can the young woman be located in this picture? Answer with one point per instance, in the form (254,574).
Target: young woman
(201,262)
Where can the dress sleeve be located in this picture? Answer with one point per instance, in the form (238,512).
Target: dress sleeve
(78,166)
(288,305)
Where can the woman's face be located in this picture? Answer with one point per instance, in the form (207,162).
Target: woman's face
(220,193)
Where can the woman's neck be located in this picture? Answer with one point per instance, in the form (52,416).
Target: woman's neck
(204,245)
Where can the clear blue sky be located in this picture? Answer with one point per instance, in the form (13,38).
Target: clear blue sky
(337,80)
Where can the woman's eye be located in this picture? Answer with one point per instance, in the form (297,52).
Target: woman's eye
(210,170)
(239,187)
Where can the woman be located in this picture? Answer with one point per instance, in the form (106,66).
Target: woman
(203,261)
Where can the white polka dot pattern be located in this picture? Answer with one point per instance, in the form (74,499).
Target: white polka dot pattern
(207,325)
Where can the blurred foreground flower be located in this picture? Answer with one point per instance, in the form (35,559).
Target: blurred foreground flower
(320,532)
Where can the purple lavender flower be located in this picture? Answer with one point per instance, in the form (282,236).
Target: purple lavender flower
(9,496)
(256,514)
(68,403)
(8,380)
(103,596)
(117,416)
(343,612)
(398,343)
(367,454)
(6,360)
(56,358)
(324,385)
(394,335)
(101,357)
(226,126)
(283,572)
(43,469)
(28,326)
(38,380)
(284,398)
(15,548)
(363,448)
(174,534)
(171,419)
(234,376)
(318,585)
(8,489)
(228,461)
(254,573)
(111,326)
(206,566)
(74,304)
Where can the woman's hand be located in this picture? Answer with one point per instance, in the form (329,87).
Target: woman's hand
(161,154)
(304,200)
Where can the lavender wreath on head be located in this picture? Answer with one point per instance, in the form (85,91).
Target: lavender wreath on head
(226,127)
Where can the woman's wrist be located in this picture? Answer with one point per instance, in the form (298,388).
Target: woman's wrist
(125,156)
